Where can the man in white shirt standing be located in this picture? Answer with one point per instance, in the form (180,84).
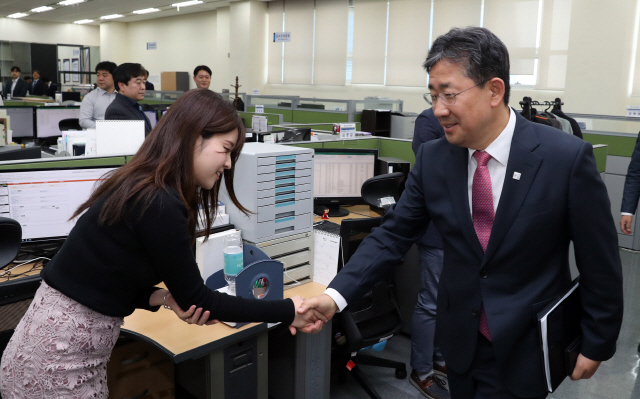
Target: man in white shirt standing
(94,105)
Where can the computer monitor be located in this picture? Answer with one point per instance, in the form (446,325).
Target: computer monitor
(43,200)
(21,121)
(71,96)
(294,134)
(15,152)
(153,117)
(338,175)
(47,119)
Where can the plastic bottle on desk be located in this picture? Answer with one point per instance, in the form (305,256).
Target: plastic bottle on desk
(233,259)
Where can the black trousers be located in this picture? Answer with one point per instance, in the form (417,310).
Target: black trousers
(482,380)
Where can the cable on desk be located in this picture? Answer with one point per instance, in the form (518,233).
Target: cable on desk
(36,262)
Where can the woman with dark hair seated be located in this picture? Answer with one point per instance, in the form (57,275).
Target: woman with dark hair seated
(135,231)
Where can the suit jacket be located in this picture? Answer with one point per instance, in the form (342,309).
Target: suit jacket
(558,198)
(39,89)
(148,86)
(427,128)
(51,90)
(631,193)
(121,109)
(21,88)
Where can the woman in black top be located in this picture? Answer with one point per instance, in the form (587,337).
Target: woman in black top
(135,231)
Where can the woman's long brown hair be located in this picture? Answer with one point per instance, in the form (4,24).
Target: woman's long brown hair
(165,159)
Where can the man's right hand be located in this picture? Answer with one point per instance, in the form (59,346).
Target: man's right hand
(625,224)
(322,304)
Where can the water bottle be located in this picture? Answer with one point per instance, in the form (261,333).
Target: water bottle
(233,259)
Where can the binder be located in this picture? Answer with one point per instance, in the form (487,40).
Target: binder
(560,336)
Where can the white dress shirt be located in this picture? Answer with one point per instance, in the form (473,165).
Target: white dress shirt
(13,86)
(499,150)
(93,107)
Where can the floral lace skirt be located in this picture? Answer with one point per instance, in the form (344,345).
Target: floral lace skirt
(60,349)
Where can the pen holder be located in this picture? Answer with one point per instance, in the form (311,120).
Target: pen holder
(261,278)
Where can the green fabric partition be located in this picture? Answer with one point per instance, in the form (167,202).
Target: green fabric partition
(309,145)
(600,154)
(71,163)
(357,143)
(21,104)
(618,145)
(319,117)
(357,117)
(287,114)
(400,149)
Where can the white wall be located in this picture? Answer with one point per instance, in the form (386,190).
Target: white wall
(183,42)
(21,30)
(114,42)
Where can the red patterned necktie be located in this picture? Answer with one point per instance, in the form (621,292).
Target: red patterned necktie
(483,215)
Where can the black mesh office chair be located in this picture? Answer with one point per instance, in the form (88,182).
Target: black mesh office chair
(11,233)
(383,191)
(69,124)
(373,319)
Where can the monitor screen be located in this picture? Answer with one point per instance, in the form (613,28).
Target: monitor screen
(338,175)
(47,119)
(153,117)
(21,121)
(42,201)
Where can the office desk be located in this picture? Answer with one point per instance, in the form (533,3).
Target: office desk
(208,351)
(355,212)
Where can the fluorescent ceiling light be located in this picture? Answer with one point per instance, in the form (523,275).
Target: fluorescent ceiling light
(70,2)
(17,15)
(112,16)
(147,11)
(83,21)
(186,3)
(42,9)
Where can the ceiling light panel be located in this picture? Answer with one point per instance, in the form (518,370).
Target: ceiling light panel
(187,3)
(42,9)
(83,21)
(112,16)
(17,15)
(71,2)
(147,11)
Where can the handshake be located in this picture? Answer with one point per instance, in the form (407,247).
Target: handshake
(312,313)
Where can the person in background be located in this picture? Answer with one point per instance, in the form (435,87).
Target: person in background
(37,87)
(136,230)
(429,369)
(94,105)
(148,85)
(129,80)
(202,76)
(28,79)
(51,87)
(16,87)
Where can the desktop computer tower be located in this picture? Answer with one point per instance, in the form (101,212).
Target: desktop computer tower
(392,165)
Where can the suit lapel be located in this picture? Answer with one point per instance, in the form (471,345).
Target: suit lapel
(132,109)
(523,161)
(459,194)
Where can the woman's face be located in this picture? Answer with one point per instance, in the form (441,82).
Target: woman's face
(212,156)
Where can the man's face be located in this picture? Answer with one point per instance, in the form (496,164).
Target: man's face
(465,122)
(105,80)
(134,90)
(36,75)
(15,74)
(202,79)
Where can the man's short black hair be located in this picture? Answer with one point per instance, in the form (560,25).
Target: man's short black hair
(202,68)
(27,78)
(36,71)
(127,71)
(15,68)
(45,79)
(106,66)
(478,51)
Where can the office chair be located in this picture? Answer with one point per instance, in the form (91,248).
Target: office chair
(11,234)
(375,318)
(382,191)
(69,124)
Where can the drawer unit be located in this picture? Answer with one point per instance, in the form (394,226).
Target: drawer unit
(296,253)
(275,183)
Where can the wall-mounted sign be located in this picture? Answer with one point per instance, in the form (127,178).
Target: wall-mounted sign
(152,45)
(279,37)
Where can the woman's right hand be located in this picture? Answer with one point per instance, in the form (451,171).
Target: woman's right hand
(192,315)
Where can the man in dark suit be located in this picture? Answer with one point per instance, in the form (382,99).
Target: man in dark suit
(427,363)
(51,87)
(15,87)
(38,87)
(508,197)
(129,79)
(148,85)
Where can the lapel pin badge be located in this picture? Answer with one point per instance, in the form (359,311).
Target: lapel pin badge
(516,175)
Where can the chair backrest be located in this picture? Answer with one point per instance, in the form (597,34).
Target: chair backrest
(382,186)
(11,238)
(69,124)
(376,316)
